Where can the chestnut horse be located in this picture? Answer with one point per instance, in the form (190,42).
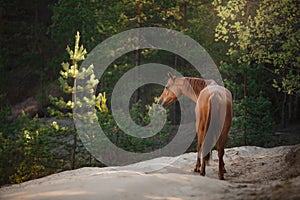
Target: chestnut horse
(213,114)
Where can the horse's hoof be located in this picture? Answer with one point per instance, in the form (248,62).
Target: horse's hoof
(196,170)
(221,177)
(202,174)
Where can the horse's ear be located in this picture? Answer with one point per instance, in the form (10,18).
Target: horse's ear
(171,76)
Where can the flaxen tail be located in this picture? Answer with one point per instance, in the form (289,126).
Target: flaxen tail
(216,118)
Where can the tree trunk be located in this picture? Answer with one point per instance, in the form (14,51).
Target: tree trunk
(290,108)
(283,111)
(185,14)
(215,8)
(138,52)
(73,153)
(245,110)
(296,110)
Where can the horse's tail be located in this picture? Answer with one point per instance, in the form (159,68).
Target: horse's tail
(215,119)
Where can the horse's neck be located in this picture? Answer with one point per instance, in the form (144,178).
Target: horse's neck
(192,87)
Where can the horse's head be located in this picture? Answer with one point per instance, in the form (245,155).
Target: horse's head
(171,92)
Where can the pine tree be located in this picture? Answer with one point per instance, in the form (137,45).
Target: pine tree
(69,75)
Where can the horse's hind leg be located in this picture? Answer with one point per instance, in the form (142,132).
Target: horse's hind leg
(220,147)
(198,164)
(204,159)
(222,169)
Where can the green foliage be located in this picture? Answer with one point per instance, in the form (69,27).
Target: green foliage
(130,143)
(252,122)
(263,51)
(98,20)
(33,148)
(233,27)
(70,16)
(26,150)
(257,127)
(276,40)
(25,48)
(199,23)
(149,13)
(269,37)
(36,152)
(68,75)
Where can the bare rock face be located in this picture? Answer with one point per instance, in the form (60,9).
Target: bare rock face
(292,159)
(253,173)
(31,106)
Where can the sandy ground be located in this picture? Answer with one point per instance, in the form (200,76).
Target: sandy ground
(252,173)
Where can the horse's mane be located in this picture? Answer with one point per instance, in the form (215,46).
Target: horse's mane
(196,84)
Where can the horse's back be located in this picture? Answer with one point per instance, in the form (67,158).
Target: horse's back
(215,90)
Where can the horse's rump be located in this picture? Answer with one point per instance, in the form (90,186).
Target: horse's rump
(212,106)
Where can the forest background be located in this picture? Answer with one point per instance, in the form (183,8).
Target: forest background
(255,44)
